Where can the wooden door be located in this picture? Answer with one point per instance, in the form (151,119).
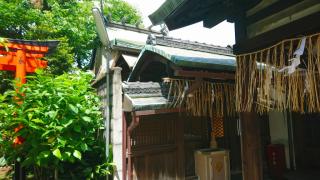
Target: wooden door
(306,141)
(155,148)
(232,143)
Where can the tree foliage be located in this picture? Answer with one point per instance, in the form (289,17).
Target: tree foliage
(119,10)
(70,21)
(58,126)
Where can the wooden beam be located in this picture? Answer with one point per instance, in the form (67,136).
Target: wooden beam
(215,17)
(31,55)
(13,68)
(5,60)
(31,62)
(35,63)
(157,111)
(281,18)
(271,9)
(240,27)
(188,13)
(205,74)
(7,68)
(251,147)
(300,27)
(32,48)
(153,149)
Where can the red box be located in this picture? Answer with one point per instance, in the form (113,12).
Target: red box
(276,160)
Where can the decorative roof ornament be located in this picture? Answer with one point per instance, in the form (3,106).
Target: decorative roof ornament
(152,40)
(164,29)
(109,17)
(124,20)
(150,27)
(138,23)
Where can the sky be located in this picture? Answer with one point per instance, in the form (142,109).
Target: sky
(222,34)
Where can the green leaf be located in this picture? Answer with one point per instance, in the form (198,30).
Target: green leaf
(38,121)
(57,153)
(46,133)
(27,162)
(45,154)
(77,154)
(88,111)
(84,146)
(77,128)
(62,142)
(59,128)
(51,139)
(73,108)
(86,118)
(66,156)
(52,114)
(30,115)
(66,122)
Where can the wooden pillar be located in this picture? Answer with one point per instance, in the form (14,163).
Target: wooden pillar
(124,146)
(180,147)
(129,169)
(240,27)
(19,171)
(251,147)
(134,123)
(21,68)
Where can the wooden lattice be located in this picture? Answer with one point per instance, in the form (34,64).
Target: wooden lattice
(217,126)
(154,131)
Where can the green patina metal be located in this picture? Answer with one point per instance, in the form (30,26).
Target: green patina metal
(220,63)
(127,44)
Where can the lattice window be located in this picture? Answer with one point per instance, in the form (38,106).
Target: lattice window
(217,126)
(154,130)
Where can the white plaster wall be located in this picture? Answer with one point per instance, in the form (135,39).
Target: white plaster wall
(279,131)
(117,122)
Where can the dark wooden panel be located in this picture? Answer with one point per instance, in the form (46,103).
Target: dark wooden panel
(195,137)
(155,166)
(306,138)
(300,27)
(232,142)
(155,150)
(205,74)
(272,9)
(251,147)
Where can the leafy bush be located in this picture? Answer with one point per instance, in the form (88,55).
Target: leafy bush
(54,124)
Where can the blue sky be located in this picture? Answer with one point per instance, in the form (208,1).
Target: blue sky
(222,34)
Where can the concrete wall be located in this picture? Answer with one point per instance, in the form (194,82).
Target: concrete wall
(278,122)
(116,124)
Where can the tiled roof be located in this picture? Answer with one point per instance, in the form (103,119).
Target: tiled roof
(156,38)
(144,96)
(132,28)
(190,45)
(145,89)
